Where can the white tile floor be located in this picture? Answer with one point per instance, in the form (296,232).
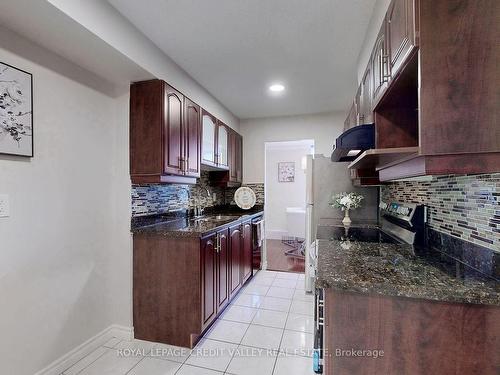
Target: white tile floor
(267,330)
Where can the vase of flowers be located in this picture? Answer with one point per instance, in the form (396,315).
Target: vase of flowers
(346,202)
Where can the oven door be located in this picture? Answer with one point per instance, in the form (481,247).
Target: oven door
(319,323)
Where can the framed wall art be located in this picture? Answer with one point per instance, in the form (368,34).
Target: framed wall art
(286,171)
(16,111)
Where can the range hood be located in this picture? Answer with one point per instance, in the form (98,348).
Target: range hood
(351,143)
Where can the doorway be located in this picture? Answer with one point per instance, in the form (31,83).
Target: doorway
(285,204)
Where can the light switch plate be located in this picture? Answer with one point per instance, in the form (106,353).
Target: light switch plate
(4,205)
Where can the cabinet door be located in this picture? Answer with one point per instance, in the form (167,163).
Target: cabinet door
(351,117)
(235,157)
(222,145)
(357,107)
(400,32)
(192,137)
(365,111)
(209,141)
(222,270)
(380,66)
(247,251)
(208,279)
(239,158)
(173,131)
(235,258)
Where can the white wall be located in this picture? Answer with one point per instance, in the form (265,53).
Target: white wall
(106,22)
(378,15)
(65,255)
(280,195)
(322,128)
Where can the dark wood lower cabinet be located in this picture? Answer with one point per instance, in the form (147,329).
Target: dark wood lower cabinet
(235,258)
(181,284)
(222,274)
(247,251)
(417,337)
(209,263)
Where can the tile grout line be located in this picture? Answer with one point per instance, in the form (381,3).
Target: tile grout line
(79,372)
(281,340)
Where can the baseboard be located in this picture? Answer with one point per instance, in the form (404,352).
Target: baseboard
(63,363)
(276,234)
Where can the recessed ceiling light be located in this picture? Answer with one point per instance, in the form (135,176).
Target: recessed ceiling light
(277,87)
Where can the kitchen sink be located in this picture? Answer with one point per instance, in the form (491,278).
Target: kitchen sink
(215,218)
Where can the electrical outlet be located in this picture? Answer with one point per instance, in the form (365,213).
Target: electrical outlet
(4,205)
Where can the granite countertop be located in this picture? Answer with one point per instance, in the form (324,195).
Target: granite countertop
(400,271)
(182,226)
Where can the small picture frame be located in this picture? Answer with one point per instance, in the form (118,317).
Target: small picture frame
(16,111)
(286,171)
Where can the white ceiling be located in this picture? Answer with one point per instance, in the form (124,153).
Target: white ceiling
(47,26)
(236,48)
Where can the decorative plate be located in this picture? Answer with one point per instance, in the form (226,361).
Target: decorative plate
(245,198)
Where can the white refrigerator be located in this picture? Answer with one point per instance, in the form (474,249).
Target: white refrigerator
(325,178)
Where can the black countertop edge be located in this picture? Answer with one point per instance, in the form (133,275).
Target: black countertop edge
(185,226)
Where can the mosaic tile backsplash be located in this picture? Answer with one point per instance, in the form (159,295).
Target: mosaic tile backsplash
(466,207)
(158,198)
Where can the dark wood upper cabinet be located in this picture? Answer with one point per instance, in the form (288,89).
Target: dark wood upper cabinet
(192,119)
(173,137)
(351,119)
(235,258)
(246,261)
(365,109)
(233,175)
(222,156)
(401,24)
(380,66)
(235,157)
(164,140)
(209,144)
(435,89)
(209,279)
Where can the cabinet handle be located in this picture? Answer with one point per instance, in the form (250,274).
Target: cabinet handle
(186,163)
(385,68)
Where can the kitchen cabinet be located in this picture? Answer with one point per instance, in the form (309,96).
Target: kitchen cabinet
(215,274)
(247,250)
(164,134)
(173,137)
(222,274)
(400,326)
(351,119)
(380,66)
(401,32)
(222,145)
(432,116)
(236,157)
(215,149)
(192,119)
(209,148)
(365,107)
(181,284)
(235,247)
(209,287)
(233,176)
